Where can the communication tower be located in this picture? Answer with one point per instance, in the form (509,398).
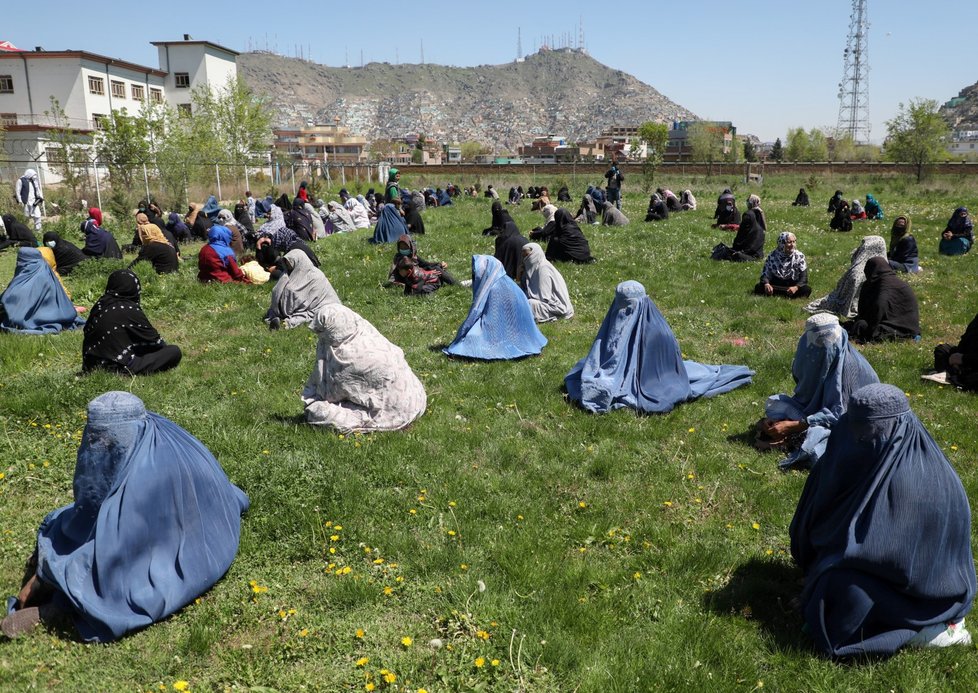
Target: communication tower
(854,87)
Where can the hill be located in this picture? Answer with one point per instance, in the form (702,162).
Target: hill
(961,112)
(563,92)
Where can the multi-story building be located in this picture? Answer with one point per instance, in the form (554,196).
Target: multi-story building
(330,144)
(87,87)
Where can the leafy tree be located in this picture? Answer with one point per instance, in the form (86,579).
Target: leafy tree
(123,145)
(777,151)
(798,144)
(66,148)
(471,149)
(706,142)
(818,146)
(750,152)
(917,134)
(655,136)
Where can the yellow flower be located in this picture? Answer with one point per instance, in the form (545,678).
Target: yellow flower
(363,661)
(338,527)
(953,447)
(668,504)
(451,532)
(495,662)
(451,504)
(181,685)
(480,662)
(332,550)
(422,690)
(390,677)
(691,430)
(378,561)
(388,591)
(755,525)
(482,634)
(637,575)
(581,504)
(407,641)
(335,537)
(360,633)
(519,518)
(369,687)
(413,511)
(304,632)
(464,566)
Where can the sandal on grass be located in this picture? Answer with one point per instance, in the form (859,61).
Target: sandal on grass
(20,622)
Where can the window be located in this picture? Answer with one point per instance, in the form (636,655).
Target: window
(184,109)
(183,80)
(118,89)
(8,119)
(98,120)
(156,95)
(96,85)
(6,84)
(138,92)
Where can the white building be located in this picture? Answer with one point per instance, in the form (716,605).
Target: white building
(89,86)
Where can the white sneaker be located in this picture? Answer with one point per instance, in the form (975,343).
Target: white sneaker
(942,635)
(940,377)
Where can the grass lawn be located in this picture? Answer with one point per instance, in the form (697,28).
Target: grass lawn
(507,540)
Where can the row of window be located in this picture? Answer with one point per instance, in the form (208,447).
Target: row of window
(96,85)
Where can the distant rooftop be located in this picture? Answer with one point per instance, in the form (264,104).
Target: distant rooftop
(189,41)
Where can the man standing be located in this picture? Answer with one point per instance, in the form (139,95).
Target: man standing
(614,184)
(27,191)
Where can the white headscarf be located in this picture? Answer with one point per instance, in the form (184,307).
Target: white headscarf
(300,293)
(544,286)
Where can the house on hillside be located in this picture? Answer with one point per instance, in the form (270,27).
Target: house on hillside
(88,87)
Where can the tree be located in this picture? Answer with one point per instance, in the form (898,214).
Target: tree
(777,151)
(706,142)
(750,152)
(798,143)
(470,149)
(655,136)
(917,134)
(123,145)
(66,148)
(818,146)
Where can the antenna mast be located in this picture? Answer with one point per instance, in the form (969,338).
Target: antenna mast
(854,87)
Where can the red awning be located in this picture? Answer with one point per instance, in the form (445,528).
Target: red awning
(9,47)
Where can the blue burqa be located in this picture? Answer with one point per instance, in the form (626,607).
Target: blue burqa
(34,302)
(500,323)
(155,522)
(882,532)
(390,225)
(635,362)
(827,369)
(211,208)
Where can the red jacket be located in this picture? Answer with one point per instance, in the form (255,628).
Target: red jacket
(212,269)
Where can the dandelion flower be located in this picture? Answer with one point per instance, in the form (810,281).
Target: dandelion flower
(360,633)
(369,687)
(390,677)
(407,641)
(451,504)
(480,662)
(363,661)
(495,662)
(755,525)
(304,632)
(388,591)
(482,634)
(581,504)
(181,685)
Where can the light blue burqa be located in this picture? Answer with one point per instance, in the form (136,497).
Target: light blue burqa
(635,362)
(827,369)
(390,226)
(155,522)
(34,302)
(500,323)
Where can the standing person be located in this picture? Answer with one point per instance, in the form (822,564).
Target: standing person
(27,190)
(393,190)
(615,179)
(251,205)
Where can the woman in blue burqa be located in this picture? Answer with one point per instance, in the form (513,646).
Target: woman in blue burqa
(827,369)
(154,524)
(35,302)
(635,362)
(882,534)
(390,224)
(500,322)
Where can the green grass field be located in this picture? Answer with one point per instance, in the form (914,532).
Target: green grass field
(616,552)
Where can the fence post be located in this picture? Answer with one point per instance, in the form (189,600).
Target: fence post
(293,180)
(247,183)
(98,186)
(146,181)
(217,172)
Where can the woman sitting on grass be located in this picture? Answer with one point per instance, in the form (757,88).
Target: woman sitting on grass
(226,219)
(587,213)
(960,362)
(801,199)
(657,210)
(119,336)
(749,242)
(837,199)
(827,369)
(500,322)
(635,362)
(844,299)
(873,208)
(358,213)
(35,301)
(67,255)
(903,255)
(98,241)
(390,224)
(302,289)
(508,245)
(216,261)
(785,271)
(417,275)
(544,286)
(687,202)
(612,216)
(727,215)
(361,382)
(275,239)
(154,524)
(842,219)
(566,241)
(882,534)
(856,211)
(16,233)
(155,248)
(958,234)
(888,308)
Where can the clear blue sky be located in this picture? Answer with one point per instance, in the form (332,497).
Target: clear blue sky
(767,65)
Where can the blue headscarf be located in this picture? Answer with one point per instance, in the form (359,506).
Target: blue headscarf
(882,532)
(635,362)
(219,238)
(389,226)
(35,302)
(827,369)
(155,522)
(500,323)
(444,199)
(211,208)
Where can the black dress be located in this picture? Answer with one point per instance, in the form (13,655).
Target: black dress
(161,255)
(566,241)
(888,307)
(67,255)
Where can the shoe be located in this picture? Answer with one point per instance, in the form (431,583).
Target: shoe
(942,635)
(937,377)
(466,282)
(20,622)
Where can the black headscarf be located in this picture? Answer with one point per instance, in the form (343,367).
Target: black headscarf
(117,329)
(509,246)
(887,303)
(412,217)
(67,255)
(500,218)
(567,242)
(18,232)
